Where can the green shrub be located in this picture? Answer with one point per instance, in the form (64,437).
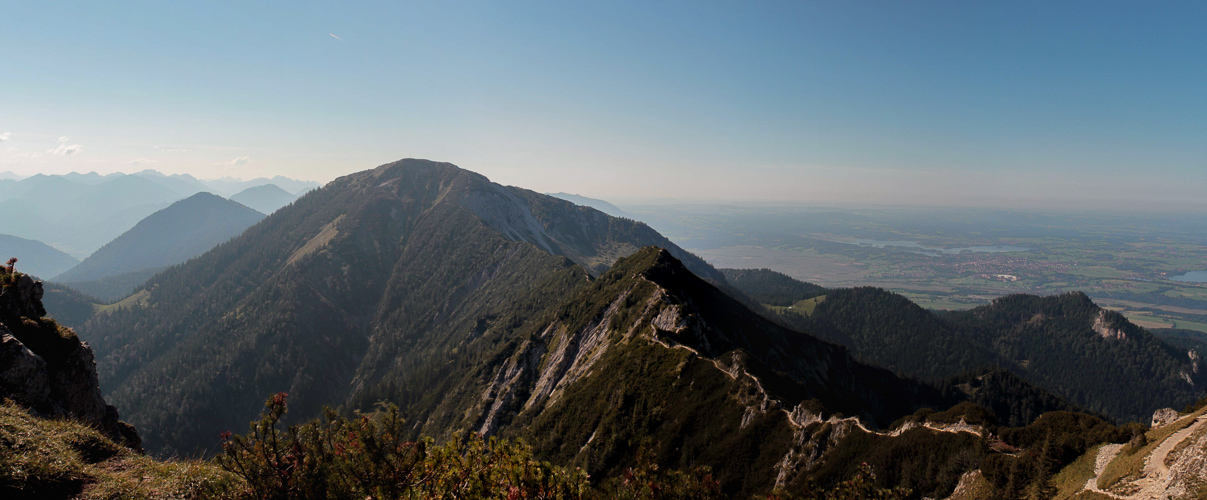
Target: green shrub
(1196,406)
(862,486)
(338,457)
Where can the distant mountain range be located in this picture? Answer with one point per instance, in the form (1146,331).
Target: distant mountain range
(183,230)
(78,213)
(264,199)
(228,186)
(600,205)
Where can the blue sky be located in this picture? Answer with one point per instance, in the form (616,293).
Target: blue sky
(1094,104)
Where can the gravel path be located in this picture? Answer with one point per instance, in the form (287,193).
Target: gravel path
(1105,455)
(1156,479)
(1156,462)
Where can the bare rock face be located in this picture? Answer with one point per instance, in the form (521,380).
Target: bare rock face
(23,374)
(1164,416)
(45,368)
(75,388)
(1107,328)
(24,298)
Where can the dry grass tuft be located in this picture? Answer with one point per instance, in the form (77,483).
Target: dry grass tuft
(49,459)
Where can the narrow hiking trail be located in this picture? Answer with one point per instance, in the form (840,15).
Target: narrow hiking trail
(1156,479)
(1105,455)
(1156,461)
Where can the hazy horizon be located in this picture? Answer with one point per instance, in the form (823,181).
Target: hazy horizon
(1067,203)
(1031,105)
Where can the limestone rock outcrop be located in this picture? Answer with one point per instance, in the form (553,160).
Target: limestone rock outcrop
(1164,416)
(23,374)
(47,369)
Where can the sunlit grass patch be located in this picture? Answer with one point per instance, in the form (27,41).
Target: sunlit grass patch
(1072,478)
(41,458)
(136,477)
(137,299)
(806,307)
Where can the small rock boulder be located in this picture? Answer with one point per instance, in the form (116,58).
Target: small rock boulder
(1164,416)
(24,298)
(23,374)
(31,292)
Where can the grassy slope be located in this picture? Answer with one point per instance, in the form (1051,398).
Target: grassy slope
(49,459)
(1073,477)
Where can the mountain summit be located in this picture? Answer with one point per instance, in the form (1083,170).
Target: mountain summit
(170,236)
(266,198)
(377,274)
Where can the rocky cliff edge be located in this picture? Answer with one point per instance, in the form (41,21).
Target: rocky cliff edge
(46,368)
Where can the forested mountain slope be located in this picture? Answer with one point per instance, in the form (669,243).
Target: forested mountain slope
(67,305)
(649,356)
(887,329)
(651,352)
(376,273)
(1091,356)
(1065,344)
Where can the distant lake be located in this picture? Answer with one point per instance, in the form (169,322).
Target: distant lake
(1192,277)
(935,252)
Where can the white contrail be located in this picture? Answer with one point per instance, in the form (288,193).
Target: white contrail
(335,37)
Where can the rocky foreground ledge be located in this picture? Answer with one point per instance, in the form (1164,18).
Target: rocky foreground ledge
(44,366)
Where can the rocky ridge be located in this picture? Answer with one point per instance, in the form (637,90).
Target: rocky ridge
(650,327)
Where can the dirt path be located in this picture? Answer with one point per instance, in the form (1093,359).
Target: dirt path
(1156,462)
(1105,455)
(1156,479)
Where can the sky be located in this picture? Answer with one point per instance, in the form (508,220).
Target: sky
(1033,104)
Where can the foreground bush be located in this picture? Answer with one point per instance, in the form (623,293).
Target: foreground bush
(368,457)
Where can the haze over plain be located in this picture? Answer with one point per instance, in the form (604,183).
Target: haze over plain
(1036,105)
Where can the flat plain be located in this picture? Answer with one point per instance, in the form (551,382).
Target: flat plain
(949,259)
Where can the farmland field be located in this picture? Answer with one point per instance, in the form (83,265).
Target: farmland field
(946,259)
